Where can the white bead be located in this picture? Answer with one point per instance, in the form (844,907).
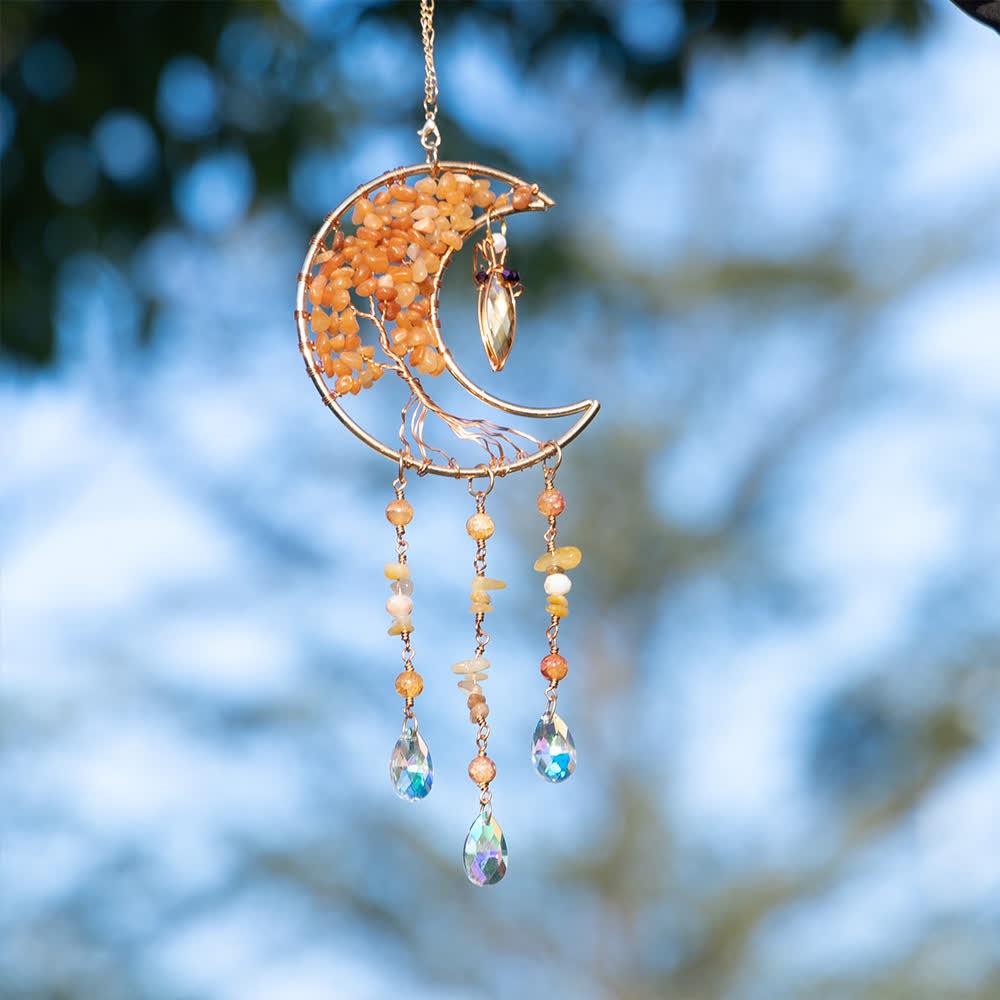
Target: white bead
(557,583)
(399,605)
(385,281)
(470,686)
(499,242)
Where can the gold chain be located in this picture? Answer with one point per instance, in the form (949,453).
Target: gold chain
(430,137)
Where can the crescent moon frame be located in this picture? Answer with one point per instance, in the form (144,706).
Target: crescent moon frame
(588,408)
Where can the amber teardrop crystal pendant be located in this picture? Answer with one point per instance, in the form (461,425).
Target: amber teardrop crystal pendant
(497,319)
(499,286)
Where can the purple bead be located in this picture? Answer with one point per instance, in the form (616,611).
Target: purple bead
(481,277)
(510,276)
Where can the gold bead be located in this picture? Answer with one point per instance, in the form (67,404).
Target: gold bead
(479,526)
(482,770)
(409,684)
(399,512)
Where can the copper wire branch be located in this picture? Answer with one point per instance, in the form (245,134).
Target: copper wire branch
(490,436)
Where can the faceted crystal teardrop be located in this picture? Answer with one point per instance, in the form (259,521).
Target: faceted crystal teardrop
(410,767)
(497,320)
(552,749)
(485,851)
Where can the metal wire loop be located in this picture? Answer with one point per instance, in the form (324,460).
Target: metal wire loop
(487,471)
(557,452)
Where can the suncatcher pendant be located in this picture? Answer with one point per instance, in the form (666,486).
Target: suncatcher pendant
(380,257)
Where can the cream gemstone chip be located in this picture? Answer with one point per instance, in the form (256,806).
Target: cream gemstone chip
(401,625)
(394,180)
(477,665)
(567,557)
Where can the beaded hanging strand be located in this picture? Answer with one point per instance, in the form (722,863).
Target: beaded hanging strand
(553,751)
(410,766)
(367,303)
(485,846)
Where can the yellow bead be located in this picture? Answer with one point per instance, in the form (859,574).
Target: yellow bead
(409,684)
(485,583)
(398,512)
(556,610)
(397,571)
(567,557)
(398,628)
(481,609)
(480,597)
(479,526)
(558,599)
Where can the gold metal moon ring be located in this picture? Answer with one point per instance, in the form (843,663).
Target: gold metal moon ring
(405,234)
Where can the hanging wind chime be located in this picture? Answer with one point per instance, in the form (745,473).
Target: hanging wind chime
(381,256)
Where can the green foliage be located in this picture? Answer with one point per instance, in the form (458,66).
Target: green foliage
(120,48)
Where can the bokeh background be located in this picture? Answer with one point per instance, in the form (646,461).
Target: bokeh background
(775,258)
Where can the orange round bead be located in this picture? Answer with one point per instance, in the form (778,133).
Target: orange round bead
(480,526)
(554,667)
(475,699)
(399,512)
(479,712)
(551,503)
(482,770)
(409,684)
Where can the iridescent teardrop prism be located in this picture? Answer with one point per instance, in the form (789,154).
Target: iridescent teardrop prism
(410,767)
(553,751)
(485,851)
(497,320)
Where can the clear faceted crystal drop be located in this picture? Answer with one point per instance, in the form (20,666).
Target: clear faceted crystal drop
(485,851)
(410,766)
(552,749)
(497,320)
